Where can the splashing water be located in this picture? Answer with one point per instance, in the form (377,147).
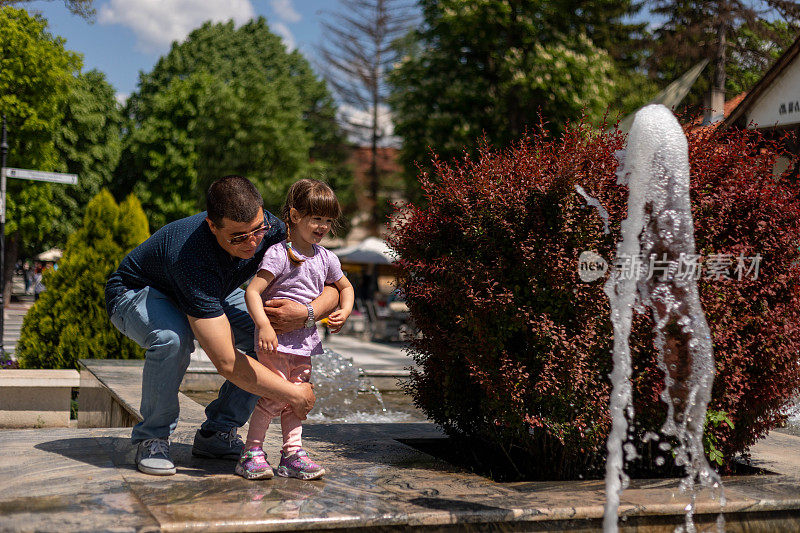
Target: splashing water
(591,201)
(344,396)
(659,225)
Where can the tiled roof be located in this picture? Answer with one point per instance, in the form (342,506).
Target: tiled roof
(730,105)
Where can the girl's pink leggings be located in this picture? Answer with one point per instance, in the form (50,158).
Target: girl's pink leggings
(295,369)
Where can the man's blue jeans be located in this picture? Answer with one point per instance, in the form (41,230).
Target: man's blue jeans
(153,321)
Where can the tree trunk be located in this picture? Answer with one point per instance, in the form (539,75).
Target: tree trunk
(373,172)
(718,86)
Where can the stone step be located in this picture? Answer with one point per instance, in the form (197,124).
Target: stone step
(14,314)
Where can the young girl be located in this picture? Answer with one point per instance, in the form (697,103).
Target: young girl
(297,269)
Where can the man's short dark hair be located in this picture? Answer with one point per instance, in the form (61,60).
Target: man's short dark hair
(234,198)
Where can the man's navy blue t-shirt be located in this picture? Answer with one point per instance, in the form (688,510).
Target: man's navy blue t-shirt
(184,261)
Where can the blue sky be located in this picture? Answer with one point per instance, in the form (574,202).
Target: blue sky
(129,36)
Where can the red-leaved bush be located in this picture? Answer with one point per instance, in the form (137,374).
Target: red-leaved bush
(515,350)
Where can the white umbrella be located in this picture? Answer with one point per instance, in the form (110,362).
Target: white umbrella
(370,251)
(53,254)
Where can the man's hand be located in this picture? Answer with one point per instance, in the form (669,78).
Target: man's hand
(285,315)
(245,372)
(302,402)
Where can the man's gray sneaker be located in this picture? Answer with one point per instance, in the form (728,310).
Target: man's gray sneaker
(152,457)
(220,445)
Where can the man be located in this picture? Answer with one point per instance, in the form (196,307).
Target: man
(184,283)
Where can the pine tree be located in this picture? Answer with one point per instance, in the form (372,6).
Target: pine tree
(69,321)
(731,34)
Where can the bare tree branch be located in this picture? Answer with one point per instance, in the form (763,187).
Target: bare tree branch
(357,55)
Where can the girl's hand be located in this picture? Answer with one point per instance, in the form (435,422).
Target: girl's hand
(267,341)
(336,320)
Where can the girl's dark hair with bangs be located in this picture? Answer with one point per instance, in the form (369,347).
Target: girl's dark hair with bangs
(310,197)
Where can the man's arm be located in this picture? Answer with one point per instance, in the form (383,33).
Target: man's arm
(288,315)
(216,338)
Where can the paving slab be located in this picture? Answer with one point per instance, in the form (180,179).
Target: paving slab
(64,480)
(78,480)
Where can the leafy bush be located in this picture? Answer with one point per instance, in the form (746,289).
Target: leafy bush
(69,321)
(515,349)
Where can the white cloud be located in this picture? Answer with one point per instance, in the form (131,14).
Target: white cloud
(284,10)
(283,30)
(121,98)
(157,23)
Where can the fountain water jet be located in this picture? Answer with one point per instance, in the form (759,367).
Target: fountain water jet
(659,225)
(344,395)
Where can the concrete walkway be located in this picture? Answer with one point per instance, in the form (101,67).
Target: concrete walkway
(15,312)
(371,356)
(384,364)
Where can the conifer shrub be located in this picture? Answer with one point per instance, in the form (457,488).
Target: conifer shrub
(69,321)
(515,350)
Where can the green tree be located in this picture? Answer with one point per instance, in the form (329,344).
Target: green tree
(69,321)
(754,54)
(228,100)
(608,23)
(489,68)
(36,72)
(89,143)
(35,75)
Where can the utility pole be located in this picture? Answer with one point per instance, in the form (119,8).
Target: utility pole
(4,151)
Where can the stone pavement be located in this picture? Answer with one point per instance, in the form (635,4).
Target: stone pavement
(371,356)
(14,314)
(85,480)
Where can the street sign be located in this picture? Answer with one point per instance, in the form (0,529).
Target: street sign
(38,175)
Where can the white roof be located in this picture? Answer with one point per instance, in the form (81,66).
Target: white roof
(53,254)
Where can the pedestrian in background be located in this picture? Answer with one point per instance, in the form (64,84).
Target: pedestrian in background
(27,276)
(38,286)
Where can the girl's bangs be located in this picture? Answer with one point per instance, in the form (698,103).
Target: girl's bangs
(324,203)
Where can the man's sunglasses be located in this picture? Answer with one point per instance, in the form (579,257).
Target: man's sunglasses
(244,237)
